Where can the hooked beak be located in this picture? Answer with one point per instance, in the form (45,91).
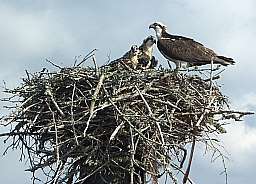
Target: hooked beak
(151,26)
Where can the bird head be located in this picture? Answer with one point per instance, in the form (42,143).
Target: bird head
(149,41)
(159,28)
(134,49)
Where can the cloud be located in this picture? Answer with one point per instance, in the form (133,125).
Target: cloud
(241,137)
(35,30)
(26,34)
(240,142)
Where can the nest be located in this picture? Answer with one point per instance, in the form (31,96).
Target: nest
(113,124)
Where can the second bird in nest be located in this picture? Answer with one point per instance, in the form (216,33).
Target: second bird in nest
(141,57)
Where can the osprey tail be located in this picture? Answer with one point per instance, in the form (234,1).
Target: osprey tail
(224,60)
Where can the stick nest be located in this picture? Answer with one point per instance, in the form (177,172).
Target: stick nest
(112,124)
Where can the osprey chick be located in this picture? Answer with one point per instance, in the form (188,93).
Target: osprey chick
(146,58)
(132,56)
(180,49)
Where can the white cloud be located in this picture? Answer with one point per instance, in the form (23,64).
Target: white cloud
(240,141)
(246,102)
(27,34)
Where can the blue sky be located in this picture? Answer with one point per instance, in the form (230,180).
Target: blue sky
(60,30)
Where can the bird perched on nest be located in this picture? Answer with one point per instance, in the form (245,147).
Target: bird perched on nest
(139,57)
(146,58)
(181,50)
(130,58)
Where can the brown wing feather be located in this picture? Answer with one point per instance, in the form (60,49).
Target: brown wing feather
(185,49)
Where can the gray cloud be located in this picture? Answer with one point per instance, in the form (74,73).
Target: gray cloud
(33,30)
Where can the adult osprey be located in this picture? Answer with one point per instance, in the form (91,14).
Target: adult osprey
(180,49)
(146,58)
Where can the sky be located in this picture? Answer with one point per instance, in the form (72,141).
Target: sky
(32,30)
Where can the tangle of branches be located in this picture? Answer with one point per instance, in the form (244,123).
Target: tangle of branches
(113,124)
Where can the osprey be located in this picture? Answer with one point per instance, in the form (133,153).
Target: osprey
(146,58)
(180,49)
(131,58)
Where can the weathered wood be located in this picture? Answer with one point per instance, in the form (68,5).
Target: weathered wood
(113,124)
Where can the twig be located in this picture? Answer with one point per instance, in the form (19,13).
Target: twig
(116,131)
(53,64)
(211,75)
(96,92)
(56,135)
(213,78)
(90,54)
(72,112)
(92,173)
(146,103)
(48,92)
(132,156)
(94,97)
(95,64)
(185,178)
(205,112)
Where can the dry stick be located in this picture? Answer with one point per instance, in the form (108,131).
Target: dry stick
(95,64)
(57,173)
(37,115)
(96,92)
(151,114)
(94,97)
(216,112)
(169,64)
(26,101)
(205,112)
(199,69)
(164,102)
(167,117)
(116,131)
(53,64)
(196,90)
(90,54)
(17,133)
(48,92)
(132,156)
(197,124)
(21,111)
(72,112)
(144,100)
(172,112)
(211,77)
(236,112)
(56,137)
(212,100)
(185,178)
(92,173)
(160,132)
(173,178)
(217,74)
(180,170)
(27,75)
(130,124)
(221,155)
